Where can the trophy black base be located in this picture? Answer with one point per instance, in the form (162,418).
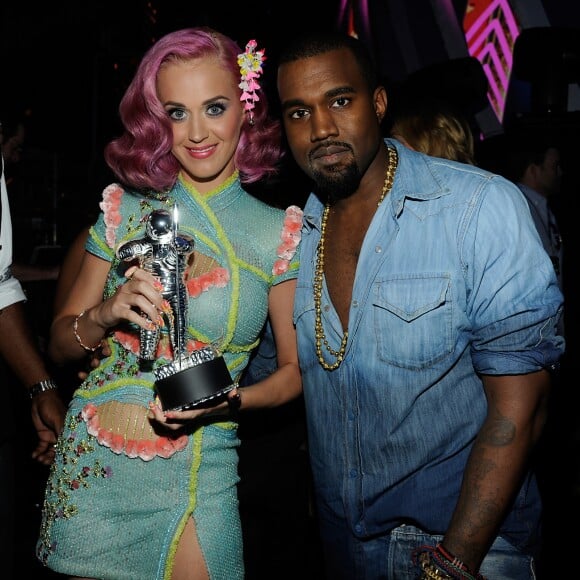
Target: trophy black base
(200,384)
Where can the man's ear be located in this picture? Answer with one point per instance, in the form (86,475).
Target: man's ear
(380,102)
(530,175)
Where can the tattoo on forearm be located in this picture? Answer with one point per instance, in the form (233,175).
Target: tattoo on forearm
(499,433)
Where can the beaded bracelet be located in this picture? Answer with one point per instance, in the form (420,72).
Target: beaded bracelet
(79,339)
(437,563)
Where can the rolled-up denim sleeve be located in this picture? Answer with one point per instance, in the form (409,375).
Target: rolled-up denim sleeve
(514,302)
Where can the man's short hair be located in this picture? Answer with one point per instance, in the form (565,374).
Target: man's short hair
(315,43)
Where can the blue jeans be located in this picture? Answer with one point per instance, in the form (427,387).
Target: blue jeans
(390,558)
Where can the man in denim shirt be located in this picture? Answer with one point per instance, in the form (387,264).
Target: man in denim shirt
(426,310)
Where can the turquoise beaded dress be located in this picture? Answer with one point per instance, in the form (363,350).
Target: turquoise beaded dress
(119,493)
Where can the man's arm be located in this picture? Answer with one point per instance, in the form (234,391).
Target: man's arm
(517,408)
(18,346)
(20,350)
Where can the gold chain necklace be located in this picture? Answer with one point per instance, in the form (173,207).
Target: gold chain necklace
(319,276)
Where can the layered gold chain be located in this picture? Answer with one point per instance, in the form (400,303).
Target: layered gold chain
(319,275)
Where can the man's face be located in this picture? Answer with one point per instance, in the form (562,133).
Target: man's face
(550,173)
(331,118)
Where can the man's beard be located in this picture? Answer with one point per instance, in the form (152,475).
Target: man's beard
(339,184)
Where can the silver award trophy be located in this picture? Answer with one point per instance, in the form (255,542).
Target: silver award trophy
(190,379)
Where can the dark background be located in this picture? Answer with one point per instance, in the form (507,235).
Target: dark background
(64,68)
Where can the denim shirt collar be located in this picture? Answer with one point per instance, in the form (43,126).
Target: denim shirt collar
(410,182)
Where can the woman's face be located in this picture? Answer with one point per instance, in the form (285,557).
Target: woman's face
(202,101)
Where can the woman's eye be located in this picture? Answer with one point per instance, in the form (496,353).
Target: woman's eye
(215,109)
(176,114)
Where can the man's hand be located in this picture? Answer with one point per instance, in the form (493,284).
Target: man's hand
(48,413)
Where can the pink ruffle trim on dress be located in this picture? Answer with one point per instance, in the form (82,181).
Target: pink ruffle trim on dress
(144,448)
(110,206)
(290,236)
(218,278)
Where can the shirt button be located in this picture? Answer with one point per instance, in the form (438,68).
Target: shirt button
(326,308)
(355,303)
(353,472)
(358,529)
(378,249)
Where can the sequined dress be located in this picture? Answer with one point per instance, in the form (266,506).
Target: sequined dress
(119,494)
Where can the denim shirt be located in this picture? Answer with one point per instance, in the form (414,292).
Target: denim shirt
(452,281)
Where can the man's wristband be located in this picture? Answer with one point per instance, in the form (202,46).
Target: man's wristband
(437,563)
(41,387)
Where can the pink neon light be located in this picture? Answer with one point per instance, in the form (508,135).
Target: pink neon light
(487,13)
(364,9)
(362,13)
(499,69)
(489,42)
(498,97)
(494,26)
(342,10)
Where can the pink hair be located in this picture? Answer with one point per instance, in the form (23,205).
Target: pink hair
(141,157)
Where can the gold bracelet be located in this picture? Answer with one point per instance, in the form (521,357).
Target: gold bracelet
(79,339)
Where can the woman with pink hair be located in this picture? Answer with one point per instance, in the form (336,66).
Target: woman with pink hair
(139,488)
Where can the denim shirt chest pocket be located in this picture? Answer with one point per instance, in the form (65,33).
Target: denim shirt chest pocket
(413,319)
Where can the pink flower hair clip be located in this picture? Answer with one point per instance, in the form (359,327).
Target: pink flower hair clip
(250,63)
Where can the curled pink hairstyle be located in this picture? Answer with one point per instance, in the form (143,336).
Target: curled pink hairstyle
(141,157)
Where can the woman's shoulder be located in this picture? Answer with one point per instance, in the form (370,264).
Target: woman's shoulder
(260,212)
(121,212)
(262,208)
